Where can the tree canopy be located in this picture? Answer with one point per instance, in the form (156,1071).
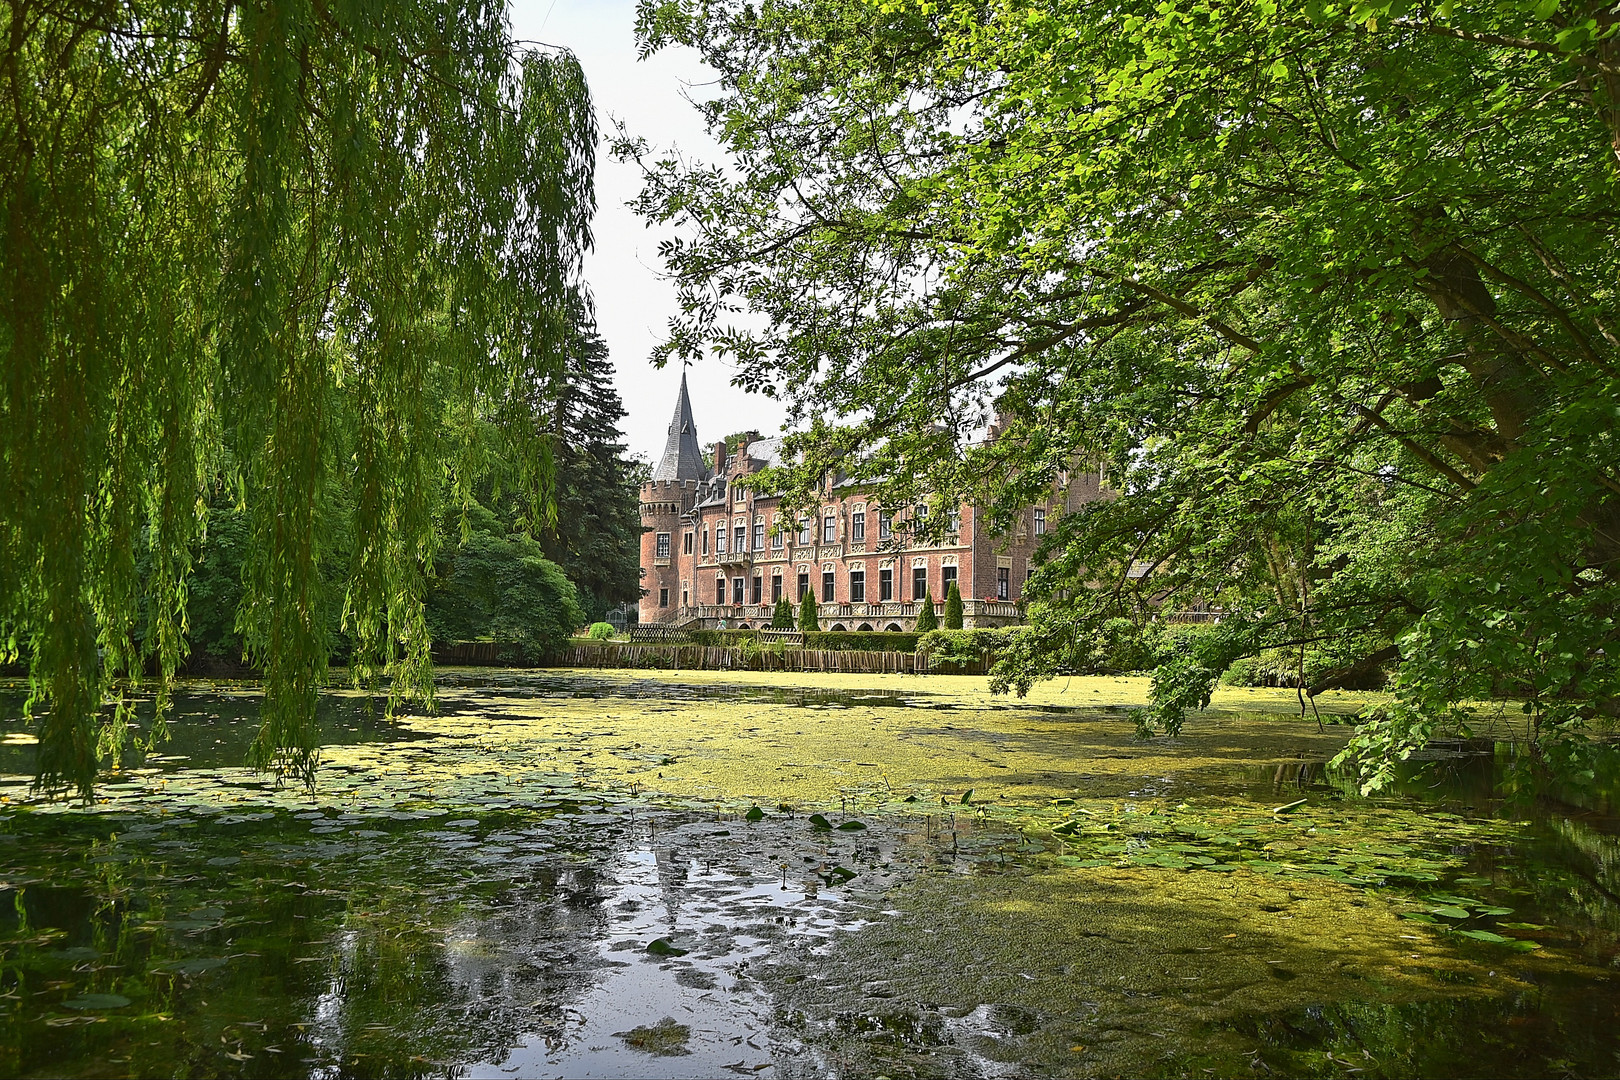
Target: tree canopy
(1327,294)
(277,251)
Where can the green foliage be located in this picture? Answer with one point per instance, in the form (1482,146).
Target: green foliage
(953,608)
(299,248)
(861,641)
(807,613)
(595,535)
(601,631)
(966,646)
(1328,299)
(501,586)
(782,617)
(926,619)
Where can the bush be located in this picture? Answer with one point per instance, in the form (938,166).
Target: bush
(808,621)
(926,619)
(600,632)
(965,646)
(860,641)
(782,617)
(953,608)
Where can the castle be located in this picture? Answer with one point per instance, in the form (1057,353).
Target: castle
(716,555)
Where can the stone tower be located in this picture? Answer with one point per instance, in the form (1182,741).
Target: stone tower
(672,492)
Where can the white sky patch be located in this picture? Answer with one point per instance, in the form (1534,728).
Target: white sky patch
(633,301)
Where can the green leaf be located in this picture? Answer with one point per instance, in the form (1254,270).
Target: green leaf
(97,1002)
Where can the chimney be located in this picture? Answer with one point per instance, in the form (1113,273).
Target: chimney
(720,457)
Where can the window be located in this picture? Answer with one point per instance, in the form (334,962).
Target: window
(759,589)
(720,590)
(922,512)
(953,521)
(742,493)
(1030,573)
(804,587)
(857,527)
(885,525)
(776,588)
(947,578)
(857,586)
(919,582)
(804,532)
(686,544)
(720,539)
(737,590)
(776,539)
(740,535)
(826,586)
(663,598)
(829,529)
(759,536)
(705,540)
(885,584)
(663,545)
(686,595)
(1040,522)
(1003,583)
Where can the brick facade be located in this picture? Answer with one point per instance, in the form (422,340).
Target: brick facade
(683,565)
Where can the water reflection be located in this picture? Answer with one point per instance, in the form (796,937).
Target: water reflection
(573,933)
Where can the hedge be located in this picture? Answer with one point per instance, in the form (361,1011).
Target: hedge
(846,640)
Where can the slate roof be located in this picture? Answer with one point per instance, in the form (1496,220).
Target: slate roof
(683,458)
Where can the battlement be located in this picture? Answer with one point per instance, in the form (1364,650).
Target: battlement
(654,488)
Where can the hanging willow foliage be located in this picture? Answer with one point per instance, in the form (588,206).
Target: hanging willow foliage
(298,250)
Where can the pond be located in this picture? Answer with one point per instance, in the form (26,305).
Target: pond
(703,874)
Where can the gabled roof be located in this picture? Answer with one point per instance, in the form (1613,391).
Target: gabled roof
(683,459)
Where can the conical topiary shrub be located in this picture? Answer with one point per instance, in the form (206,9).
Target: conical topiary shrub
(926,619)
(782,617)
(953,608)
(807,613)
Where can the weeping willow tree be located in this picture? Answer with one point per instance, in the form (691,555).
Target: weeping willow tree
(287,249)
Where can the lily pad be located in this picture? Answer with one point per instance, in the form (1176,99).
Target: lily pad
(663,947)
(852,826)
(96,1002)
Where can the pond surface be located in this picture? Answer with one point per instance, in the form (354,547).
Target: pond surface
(571,874)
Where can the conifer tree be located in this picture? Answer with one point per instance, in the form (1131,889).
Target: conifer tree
(807,613)
(782,617)
(953,608)
(596,533)
(926,619)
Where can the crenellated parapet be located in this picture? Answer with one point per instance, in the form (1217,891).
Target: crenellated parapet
(667,498)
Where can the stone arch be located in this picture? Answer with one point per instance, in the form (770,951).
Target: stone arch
(864,628)
(839,628)
(893,628)
(742,626)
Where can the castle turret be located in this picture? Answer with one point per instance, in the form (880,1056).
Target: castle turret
(672,491)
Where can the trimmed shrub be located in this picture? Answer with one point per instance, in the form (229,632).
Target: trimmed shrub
(926,619)
(807,613)
(782,617)
(860,641)
(953,608)
(600,631)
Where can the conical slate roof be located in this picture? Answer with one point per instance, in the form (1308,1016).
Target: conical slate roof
(683,460)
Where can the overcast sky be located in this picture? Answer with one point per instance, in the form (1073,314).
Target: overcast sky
(633,301)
